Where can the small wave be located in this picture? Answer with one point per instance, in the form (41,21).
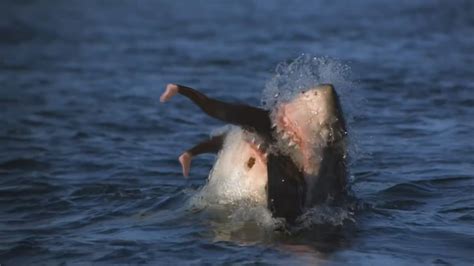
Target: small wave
(466,218)
(53,114)
(445,180)
(130,253)
(409,189)
(458,210)
(24,164)
(21,251)
(16,32)
(106,190)
(428,188)
(402,204)
(26,190)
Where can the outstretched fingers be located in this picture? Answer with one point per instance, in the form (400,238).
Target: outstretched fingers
(185,161)
(170,91)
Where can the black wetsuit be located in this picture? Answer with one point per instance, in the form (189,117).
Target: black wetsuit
(286,186)
(213,145)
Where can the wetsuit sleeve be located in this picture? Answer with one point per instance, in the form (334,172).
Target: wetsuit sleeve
(249,117)
(212,145)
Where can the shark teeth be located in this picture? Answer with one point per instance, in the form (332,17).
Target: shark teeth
(291,143)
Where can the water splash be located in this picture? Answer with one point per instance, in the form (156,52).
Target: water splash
(325,214)
(307,72)
(240,220)
(303,73)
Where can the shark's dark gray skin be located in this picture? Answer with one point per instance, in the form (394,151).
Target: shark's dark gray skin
(311,128)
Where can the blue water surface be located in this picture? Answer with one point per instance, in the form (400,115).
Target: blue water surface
(88,158)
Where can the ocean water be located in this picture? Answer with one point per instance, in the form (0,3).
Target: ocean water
(88,156)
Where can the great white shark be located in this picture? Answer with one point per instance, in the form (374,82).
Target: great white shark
(289,158)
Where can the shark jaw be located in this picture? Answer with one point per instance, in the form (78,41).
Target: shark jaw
(308,124)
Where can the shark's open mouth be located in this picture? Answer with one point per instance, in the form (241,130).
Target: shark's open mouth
(306,125)
(293,139)
(288,131)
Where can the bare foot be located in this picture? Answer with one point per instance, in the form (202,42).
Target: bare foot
(171,90)
(185,160)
